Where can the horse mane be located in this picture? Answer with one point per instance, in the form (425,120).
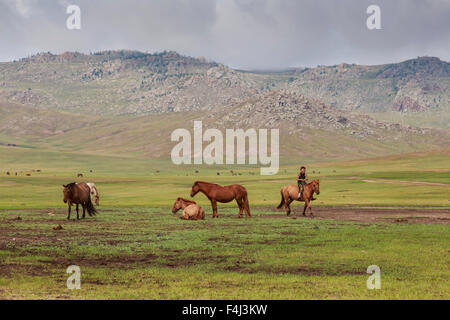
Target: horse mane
(186,200)
(204,182)
(70,185)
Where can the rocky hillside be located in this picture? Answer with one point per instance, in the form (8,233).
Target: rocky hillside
(295,112)
(415,85)
(308,129)
(122,82)
(131,82)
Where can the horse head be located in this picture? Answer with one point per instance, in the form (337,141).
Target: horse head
(181,203)
(195,189)
(67,191)
(176,206)
(315,185)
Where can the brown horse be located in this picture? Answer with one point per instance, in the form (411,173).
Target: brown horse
(191,210)
(216,193)
(290,193)
(79,193)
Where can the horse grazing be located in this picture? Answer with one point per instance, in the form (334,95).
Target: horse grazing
(216,193)
(79,193)
(290,193)
(94,192)
(191,210)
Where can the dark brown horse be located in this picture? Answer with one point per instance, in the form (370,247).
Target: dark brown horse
(290,193)
(216,193)
(79,193)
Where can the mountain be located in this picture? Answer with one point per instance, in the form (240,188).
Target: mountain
(127,103)
(416,85)
(136,83)
(309,129)
(122,82)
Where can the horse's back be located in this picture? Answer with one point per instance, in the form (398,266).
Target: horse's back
(84,191)
(194,212)
(290,189)
(237,187)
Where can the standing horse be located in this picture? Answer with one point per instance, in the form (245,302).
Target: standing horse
(94,192)
(79,193)
(216,193)
(290,193)
(191,210)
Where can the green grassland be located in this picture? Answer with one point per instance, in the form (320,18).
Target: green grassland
(135,248)
(147,253)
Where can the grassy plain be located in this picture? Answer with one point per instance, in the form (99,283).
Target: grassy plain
(135,248)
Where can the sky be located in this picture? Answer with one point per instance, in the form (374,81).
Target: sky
(244,34)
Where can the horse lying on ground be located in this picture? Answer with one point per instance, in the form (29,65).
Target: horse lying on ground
(94,192)
(79,193)
(290,193)
(216,193)
(191,211)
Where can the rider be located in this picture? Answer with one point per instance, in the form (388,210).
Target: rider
(301,181)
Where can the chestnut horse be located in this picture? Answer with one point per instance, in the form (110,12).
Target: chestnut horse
(191,210)
(290,193)
(216,193)
(79,193)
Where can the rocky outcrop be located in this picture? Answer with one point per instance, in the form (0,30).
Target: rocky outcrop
(406,104)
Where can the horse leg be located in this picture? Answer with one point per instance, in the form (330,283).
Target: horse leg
(70,209)
(241,207)
(78,217)
(309,206)
(84,211)
(214,207)
(304,209)
(287,202)
(184,216)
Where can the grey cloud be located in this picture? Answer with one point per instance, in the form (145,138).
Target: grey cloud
(241,33)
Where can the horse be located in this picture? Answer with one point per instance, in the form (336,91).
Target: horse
(191,210)
(94,192)
(290,193)
(79,193)
(216,193)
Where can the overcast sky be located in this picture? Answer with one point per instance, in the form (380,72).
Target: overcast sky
(248,34)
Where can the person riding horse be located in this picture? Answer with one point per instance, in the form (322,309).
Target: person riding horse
(302,178)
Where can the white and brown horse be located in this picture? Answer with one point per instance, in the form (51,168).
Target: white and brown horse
(94,192)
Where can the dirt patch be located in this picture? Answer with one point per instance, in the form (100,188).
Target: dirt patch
(302,270)
(400,215)
(416,183)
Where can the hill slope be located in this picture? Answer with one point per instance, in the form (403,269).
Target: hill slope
(309,129)
(131,82)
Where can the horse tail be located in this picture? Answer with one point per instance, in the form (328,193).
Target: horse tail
(246,204)
(282,200)
(90,207)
